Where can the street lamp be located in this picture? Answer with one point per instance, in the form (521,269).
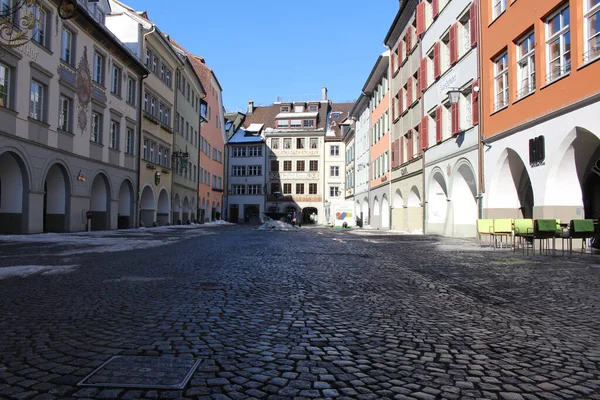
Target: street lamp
(454,95)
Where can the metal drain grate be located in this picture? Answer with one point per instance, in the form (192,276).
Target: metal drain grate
(143,372)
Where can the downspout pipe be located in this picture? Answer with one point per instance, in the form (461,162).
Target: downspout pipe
(140,119)
(481,182)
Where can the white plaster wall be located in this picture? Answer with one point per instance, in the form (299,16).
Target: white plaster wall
(452,145)
(548,186)
(447,16)
(125,28)
(338,161)
(463,72)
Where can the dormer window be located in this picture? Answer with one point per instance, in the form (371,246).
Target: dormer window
(336,115)
(298,109)
(313,108)
(285,109)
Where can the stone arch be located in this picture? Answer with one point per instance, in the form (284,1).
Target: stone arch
(414,198)
(398,200)
(376,207)
(147,207)
(100,201)
(569,168)
(511,192)
(464,199)
(437,202)
(14,192)
(385,212)
(186,210)
(57,196)
(126,205)
(365,211)
(163,208)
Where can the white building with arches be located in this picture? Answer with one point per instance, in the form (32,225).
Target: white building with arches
(361,116)
(69,127)
(449,44)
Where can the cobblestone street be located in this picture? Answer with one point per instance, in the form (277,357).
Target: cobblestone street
(312,313)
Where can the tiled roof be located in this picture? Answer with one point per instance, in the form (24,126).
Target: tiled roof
(334,123)
(266,115)
(203,72)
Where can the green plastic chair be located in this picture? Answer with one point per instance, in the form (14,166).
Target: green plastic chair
(524,232)
(546,229)
(581,229)
(502,228)
(485,228)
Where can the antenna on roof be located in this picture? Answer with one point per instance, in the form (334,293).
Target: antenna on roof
(278,98)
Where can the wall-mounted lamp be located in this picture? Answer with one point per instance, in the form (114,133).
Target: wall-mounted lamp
(80,177)
(454,95)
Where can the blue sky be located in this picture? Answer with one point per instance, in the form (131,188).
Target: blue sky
(262,49)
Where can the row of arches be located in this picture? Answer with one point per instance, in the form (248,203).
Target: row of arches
(56,187)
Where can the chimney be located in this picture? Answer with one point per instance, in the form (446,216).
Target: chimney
(323,93)
(250,106)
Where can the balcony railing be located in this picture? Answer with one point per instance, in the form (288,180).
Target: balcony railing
(501,101)
(527,87)
(559,71)
(592,54)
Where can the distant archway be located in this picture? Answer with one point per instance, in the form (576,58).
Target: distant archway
(100,203)
(162,212)
(57,193)
(385,212)
(126,205)
(437,203)
(14,193)
(186,210)
(398,201)
(177,219)
(464,200)
(147,207)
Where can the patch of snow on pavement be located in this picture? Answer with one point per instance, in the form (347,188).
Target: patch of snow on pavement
(273,225)
(26,270)
(219,222)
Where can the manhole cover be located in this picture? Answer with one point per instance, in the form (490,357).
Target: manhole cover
(143,372)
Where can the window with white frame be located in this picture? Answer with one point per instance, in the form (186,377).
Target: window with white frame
(312,188)
(466,109)
(501,81)
(254,170)
(499,6)
(255,152)
(334,150)
(129,141)
(113,143)
(64,113)
(591,30)
(526,65)
(308,123)
(558,44)
(66,49)
(145,149)
(40,25)
(36,101)
(287,188)
(131,86)
(275,143)
(237,189)
(282,123)
(98,69)
(96,128)
(116,80)
(298,109)
(239,152)
(152,151)
(444,53)
(314,143)
(334,170)
(5,86)
(254,189)
(299,188)
(334,191)
(239,170)
(287,143)
(300,143)
(295,123)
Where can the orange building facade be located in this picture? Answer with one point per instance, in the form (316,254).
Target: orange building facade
(212,145)
(541,108)
(378,88)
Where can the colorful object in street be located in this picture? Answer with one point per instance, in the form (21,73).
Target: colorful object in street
(343,215)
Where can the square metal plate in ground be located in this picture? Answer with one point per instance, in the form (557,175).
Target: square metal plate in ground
(143,372)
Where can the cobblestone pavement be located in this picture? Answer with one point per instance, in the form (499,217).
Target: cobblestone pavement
(313,313)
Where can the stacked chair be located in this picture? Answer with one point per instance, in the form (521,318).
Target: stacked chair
(581,229)
(524,235)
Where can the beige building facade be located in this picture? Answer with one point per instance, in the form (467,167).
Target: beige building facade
(69,125)
(149,44)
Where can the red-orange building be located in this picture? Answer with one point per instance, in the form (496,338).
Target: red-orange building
(212,145)
(540,108)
